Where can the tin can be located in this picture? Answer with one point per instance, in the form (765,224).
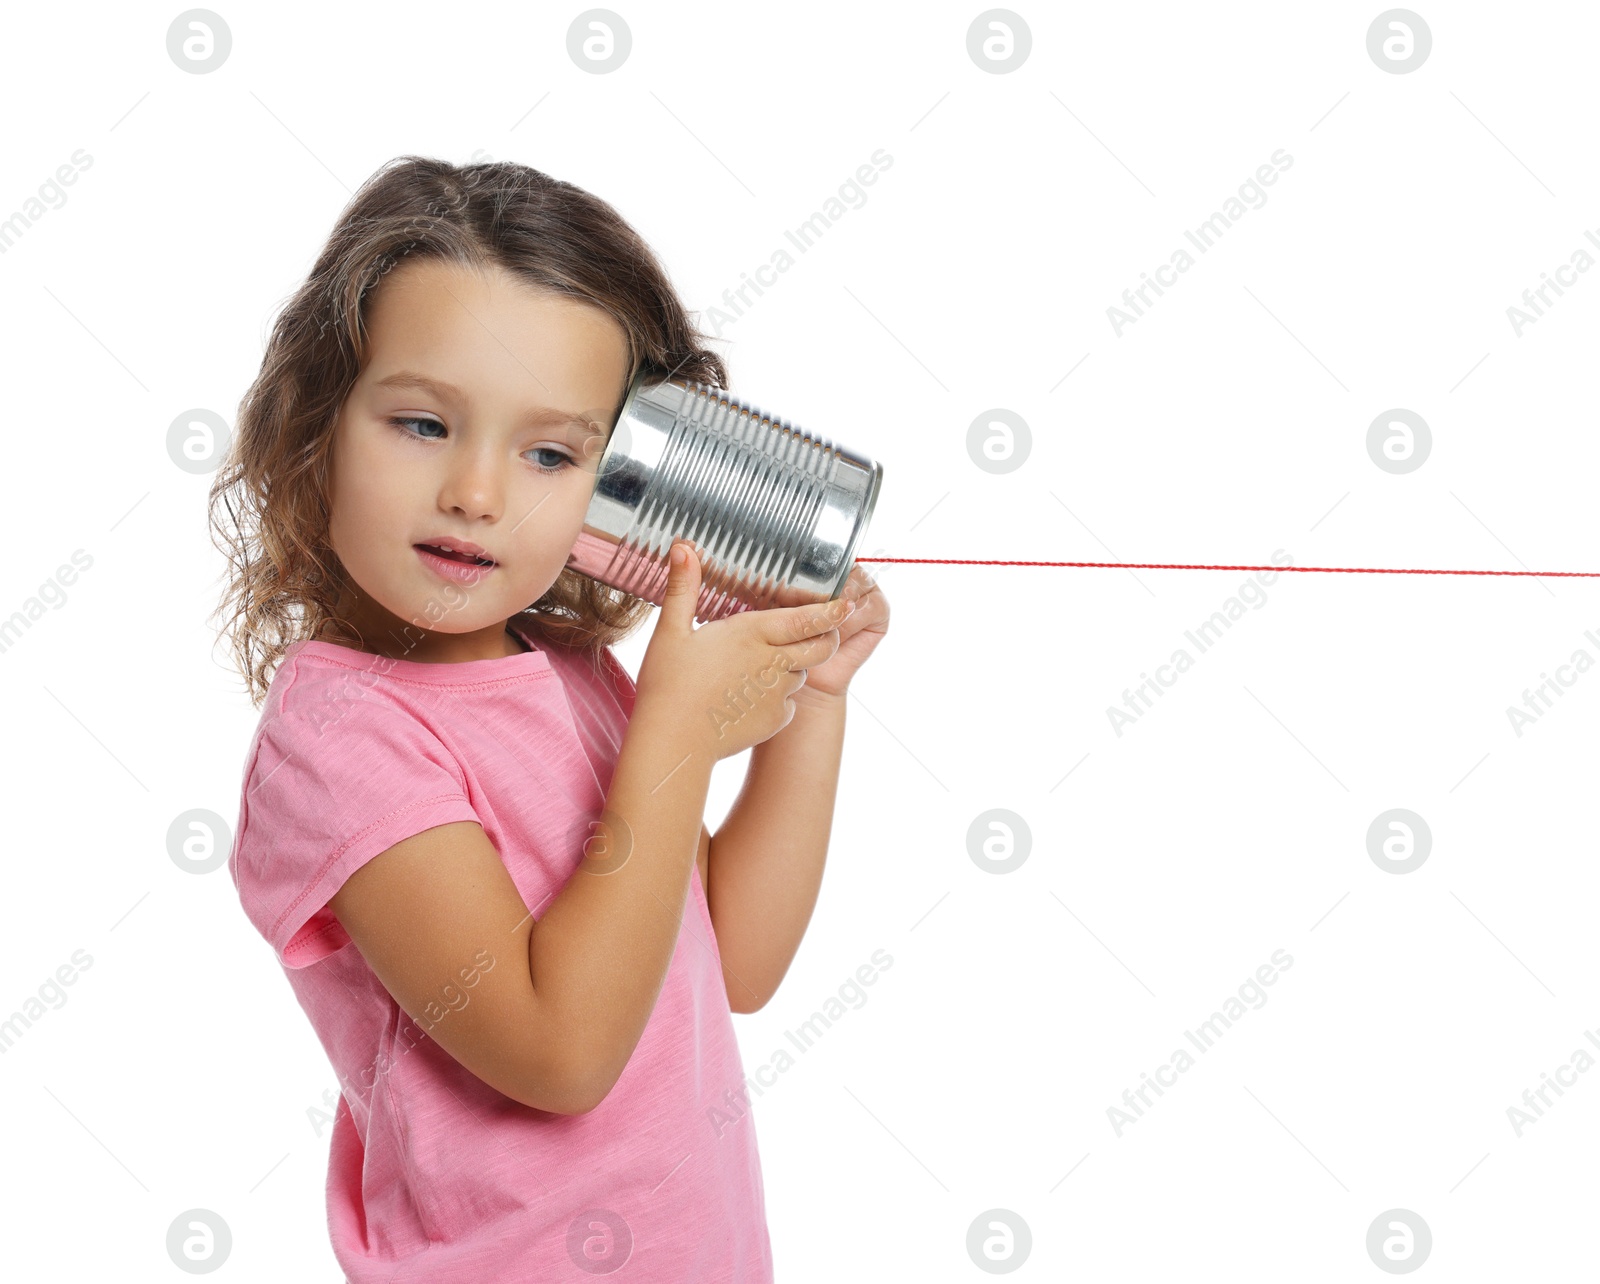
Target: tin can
(775,513)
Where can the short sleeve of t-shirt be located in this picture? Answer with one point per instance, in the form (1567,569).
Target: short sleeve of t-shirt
(321,797)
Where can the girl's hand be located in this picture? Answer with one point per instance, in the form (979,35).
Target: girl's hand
(733,682)
(859,636)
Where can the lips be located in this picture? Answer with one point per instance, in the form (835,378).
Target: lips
(454,566)
(463,558)
(458,550)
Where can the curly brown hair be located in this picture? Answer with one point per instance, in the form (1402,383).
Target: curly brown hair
(283,576)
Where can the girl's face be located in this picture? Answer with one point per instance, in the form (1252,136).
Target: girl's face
(480,417)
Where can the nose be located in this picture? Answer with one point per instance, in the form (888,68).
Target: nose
(473,486)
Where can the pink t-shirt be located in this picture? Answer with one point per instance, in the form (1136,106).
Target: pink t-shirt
(433,1175)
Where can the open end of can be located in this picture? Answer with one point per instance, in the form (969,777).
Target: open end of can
(870,503)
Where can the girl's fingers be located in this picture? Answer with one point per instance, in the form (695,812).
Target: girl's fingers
(789,625)
(870,608)
(812,650)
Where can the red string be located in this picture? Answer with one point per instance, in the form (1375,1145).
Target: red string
(1180,566)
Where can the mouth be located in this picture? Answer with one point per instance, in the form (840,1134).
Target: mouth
(458,556)
(453,565)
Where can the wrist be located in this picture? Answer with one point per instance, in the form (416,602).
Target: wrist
(812,699)
(670,727)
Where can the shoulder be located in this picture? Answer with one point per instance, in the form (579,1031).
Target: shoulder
(342,720)
(610,669)
(603,673)
(308,681)
(596,668)
(338,772)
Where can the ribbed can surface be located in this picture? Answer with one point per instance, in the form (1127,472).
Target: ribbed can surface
(775,513)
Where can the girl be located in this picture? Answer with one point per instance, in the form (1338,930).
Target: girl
(475,846)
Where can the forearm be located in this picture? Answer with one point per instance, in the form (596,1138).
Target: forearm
(767,856)
(600,954)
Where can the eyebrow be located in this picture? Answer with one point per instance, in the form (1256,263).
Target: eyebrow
(546,416)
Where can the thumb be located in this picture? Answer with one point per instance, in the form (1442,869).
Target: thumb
(683,585)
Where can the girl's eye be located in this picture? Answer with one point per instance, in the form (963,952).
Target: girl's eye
(560,462)
(562,459)
(434,422)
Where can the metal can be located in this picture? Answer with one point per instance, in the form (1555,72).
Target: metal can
(775,513)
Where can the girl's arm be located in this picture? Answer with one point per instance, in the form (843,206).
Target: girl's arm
(557,1033)
(555,1025)
(766,859)
(767,856)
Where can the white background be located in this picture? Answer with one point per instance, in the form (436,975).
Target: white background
(1229,421)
